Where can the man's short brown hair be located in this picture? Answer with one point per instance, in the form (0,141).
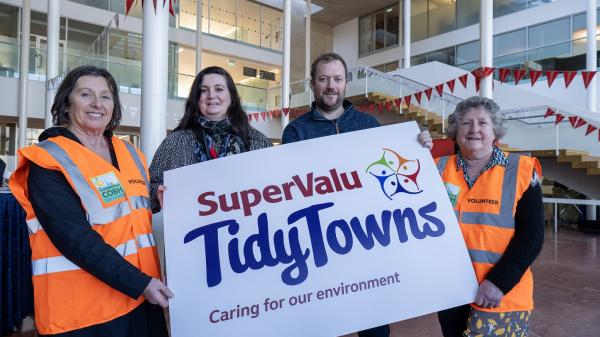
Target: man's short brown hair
(326,58)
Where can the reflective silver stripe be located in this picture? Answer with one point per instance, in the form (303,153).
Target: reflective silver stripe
(146,240)
(441,164)
(138,202)
(97,215)
(33,225)
(483,256)
(52,265)
(137,160)
(60,263)
(509,186)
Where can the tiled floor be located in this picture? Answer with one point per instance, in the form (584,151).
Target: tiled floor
(567,292)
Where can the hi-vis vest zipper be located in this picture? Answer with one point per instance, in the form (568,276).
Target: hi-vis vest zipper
(486,215)
(117,206)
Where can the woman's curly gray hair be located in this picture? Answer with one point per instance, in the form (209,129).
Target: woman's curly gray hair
(498,119)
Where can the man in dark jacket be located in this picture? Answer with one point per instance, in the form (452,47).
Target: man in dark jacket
(331,114)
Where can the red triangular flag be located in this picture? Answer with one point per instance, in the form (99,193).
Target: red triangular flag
(371,107)
(587,77)
(428,92)
(277,113)
(388,106)
(487,71)
(503,73)
(476,73)
(263,114)
(573,120)
(463,80)
(590,129)
(398,101)
(580,122)
(551,76)
(440,89)
(450,85)
(286,111)
(569,75)
(407,100)
(256,114)
(534,75)
(249,117)
(549,113)
(477,83)
(518,74)
(418,96)
(559,119)
(380,107)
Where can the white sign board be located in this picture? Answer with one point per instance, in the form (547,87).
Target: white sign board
(317,238)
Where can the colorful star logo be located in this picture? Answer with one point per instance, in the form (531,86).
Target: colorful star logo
(396,174)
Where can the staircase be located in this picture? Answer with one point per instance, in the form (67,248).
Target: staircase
(578,160)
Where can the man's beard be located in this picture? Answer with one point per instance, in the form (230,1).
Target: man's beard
(329,107)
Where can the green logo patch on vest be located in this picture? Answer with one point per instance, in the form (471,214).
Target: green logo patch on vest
(453,192)
(109,186)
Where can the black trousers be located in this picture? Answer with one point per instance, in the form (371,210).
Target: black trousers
(454,320)
(380,331)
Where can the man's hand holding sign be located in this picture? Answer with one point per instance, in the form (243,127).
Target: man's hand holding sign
(352,225)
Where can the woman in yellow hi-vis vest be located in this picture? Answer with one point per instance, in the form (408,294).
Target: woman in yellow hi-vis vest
(85,194)
(497,198)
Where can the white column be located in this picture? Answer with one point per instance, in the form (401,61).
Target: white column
(591,56)
(307,58)
(285,74)
(406,12)
(52,50)
(486,40)
(198,36)
(24,72)
(591,212)
(155,43)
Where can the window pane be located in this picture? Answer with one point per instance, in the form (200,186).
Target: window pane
(510,61)
(443,55)
(467,13)
(549,33)
(442,18)
(248,22)
(103,4)
(468,52)
(222,18)
(419,59)
(418,20)
(272,29)
(504,7)
(187,14)
(392,17)
(391,66)
(9,21)
(549,57)
(379,30)
(365,27)
(510,42)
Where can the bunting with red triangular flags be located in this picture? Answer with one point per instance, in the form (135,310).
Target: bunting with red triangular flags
(418,96)
(380,107)
(450,85)
(487,71)
(587,77)
(249,117)
(440,89)
(263,115)
(388,106)
(580,122)
(568,75)
(559,119)
(549,113)
(518,74)
(534,75)
(371,108)
(503,73)
(428,92)
(551,76)
(407,100)
(573,120)
(463,80)
(590,129)
(286,111)
(398,101)
(256,115)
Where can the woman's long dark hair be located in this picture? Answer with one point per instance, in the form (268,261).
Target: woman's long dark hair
(236,114)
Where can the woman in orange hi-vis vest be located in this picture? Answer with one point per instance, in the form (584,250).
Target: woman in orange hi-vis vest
(86,197)
(497,198)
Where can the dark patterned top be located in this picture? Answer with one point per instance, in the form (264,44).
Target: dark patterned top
(179,149)
(498,158)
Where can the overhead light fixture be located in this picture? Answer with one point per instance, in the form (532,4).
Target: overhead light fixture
(231,63)
(452,2)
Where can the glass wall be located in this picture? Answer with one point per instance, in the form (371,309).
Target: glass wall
(379,30)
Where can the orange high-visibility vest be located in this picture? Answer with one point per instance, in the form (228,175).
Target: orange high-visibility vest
(486,215)
(117,206)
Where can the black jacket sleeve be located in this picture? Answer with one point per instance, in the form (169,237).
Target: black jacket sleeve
(59,211)
(526,243)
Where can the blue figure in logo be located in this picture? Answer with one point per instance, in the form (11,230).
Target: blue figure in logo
(395,174)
